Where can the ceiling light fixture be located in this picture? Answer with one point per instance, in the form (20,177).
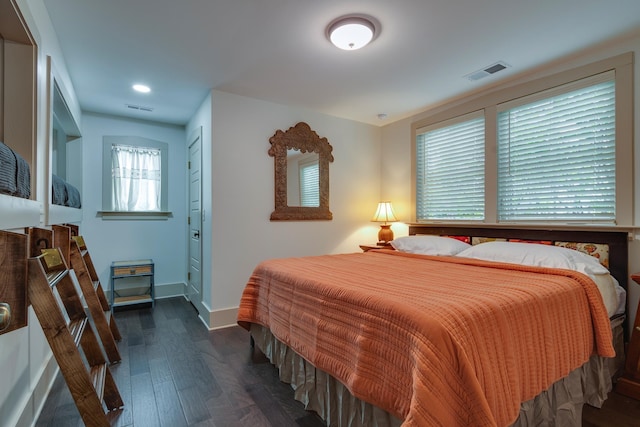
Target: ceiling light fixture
(141,88)
(351,32)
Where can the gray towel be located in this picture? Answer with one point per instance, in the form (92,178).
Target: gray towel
(8,170)
(73,196)
(23,178)
(59,191)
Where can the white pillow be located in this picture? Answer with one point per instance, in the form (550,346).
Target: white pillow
(607,286)
(429,245)
(537,255)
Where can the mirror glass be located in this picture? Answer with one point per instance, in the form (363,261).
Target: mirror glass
(303,179)
(301,166)
(64,146)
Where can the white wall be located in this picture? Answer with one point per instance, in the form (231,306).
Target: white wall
(28,367)
(396,144)
(242,193)
(109,240)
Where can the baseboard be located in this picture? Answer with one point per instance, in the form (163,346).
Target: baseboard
(224,318)
(39,393)
(212,319)
(168,290)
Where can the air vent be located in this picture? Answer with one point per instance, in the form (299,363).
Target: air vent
(139,107)
(487,71)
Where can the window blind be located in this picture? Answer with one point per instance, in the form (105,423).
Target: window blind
(450,170)
(556,155)
(309,184)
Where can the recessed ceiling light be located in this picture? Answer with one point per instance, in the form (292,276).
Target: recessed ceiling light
(351,32)
(141,88)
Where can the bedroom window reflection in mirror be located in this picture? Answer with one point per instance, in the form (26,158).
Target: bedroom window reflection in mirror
(134,174)
(301,166)
(303,179)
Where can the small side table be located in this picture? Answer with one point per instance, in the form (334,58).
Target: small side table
(373,246)
(629,382)
(142,288)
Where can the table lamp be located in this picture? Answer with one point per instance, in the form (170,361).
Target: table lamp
(384,214)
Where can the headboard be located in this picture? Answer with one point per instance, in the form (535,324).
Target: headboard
(617,240)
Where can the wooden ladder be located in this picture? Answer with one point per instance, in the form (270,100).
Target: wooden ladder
(95,298)
(65,324)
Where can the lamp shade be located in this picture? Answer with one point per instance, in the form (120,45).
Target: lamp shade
(384,213)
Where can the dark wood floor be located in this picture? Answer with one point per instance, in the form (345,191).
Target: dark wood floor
(176,373)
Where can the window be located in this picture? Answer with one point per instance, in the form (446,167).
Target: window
(556,149)
(450,170)
(556,155)
(135,178)
(309,188)
(134,175)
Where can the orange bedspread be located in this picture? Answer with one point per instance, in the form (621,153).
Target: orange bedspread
(437,341)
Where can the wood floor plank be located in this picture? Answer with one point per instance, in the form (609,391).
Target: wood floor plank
(170,411)
(122,376)
(249,416)
(146,319)
(138,361)
(194,405)
(160,372)
(143,401)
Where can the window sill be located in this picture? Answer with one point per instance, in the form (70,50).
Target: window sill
(125,215)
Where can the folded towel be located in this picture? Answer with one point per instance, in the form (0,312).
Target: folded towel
(23,177)
(73,196)
(7,170)
(59,193)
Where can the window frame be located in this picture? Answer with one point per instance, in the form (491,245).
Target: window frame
(622,65)
(107,183)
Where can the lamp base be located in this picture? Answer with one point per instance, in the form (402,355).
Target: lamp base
(385,235)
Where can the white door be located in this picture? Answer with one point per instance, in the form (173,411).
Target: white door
(194,274)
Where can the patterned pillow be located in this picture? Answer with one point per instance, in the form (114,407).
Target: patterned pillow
(539,242)
(478,240)
(465,239)
(597,250)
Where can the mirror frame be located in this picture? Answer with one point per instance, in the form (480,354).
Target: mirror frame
(300,137)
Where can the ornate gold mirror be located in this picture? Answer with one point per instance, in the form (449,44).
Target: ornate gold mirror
(301,160)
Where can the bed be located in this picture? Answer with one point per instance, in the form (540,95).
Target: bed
(397,338)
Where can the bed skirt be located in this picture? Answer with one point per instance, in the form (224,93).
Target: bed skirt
(560,405)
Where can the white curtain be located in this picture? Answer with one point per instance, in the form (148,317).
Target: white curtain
(136,178)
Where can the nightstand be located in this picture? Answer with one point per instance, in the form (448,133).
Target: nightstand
(373,246)
(629,382)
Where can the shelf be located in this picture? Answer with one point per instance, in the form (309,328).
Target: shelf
(132,282)
(134,299)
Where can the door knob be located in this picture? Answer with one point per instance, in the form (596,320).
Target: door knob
(5,316)
(196,233)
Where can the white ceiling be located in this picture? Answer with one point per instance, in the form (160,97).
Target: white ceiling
(277,50)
